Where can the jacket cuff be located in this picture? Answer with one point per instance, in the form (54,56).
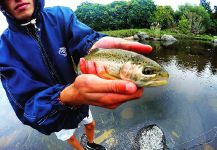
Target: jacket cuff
(56,102)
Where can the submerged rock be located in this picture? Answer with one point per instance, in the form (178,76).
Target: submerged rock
(167,43)
(150,138)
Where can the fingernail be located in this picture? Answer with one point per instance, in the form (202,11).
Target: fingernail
(130,87)
(82,60)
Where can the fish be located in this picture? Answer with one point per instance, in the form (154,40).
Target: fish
(129,66)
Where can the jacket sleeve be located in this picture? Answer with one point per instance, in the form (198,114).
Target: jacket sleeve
(35,103)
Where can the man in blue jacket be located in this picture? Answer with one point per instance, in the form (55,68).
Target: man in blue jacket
(38,54)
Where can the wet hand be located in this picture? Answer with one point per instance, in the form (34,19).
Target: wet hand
(92,90)
(89,67)
(119,43)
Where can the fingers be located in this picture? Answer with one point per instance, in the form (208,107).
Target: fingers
(83,67)
(91,68)
(121,87)
(92,90)
(112,101)
(96,84)
(101,71)
(137,95)
(118,99)
(87,67)
(136,47)
(113,86)
(119,43)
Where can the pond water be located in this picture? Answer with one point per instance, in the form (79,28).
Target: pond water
(185,109)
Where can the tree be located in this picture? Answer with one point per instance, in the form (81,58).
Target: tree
(206,5)
(94,15)
(164,15)
(118,12)
(213,27)
(117,15)
(141,13)
(184,25)
(197,16)
(195,22)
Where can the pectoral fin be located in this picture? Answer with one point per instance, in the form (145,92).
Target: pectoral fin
(105,75)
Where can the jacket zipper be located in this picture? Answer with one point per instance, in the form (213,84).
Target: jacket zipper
(45,57)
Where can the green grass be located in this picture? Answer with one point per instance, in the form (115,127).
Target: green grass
(158,33)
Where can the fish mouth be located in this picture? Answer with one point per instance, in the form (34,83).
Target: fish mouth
(153,83)
(157,83)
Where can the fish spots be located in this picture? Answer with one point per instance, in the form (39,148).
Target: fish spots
(127,65)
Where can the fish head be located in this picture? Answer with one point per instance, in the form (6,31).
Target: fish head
(153,76)
(144,74)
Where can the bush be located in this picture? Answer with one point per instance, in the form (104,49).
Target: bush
(184,25)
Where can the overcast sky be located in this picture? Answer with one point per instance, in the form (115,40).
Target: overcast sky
(73,4)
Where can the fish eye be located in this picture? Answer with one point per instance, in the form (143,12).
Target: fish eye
(147,71)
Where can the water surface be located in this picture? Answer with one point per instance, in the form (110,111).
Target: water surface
(185,109)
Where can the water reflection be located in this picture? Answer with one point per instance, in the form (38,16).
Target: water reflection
(185,109)
(188,55)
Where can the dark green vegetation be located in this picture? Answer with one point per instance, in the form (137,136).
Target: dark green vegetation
(140,14)
(158,33)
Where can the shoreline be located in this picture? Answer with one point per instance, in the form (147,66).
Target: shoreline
(158,33)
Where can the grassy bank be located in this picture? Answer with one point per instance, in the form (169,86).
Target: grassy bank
(158,33)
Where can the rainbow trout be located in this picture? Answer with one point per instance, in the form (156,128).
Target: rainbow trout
(130,66)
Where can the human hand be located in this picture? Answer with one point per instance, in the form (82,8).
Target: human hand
(119,43)
(90,89)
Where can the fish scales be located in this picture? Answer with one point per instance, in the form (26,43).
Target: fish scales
(129,66)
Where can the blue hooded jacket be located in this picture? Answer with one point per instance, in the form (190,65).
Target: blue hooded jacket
(35,66)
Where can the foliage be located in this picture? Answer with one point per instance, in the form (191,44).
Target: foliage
(184,25)
(94,15)
(156,28)
(145,14)
(198,18)
(195,22)
(164,15)
(206,5)
(117,15)
(212,28)
(140,13)
(131,32)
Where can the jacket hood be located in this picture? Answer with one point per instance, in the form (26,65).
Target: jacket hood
(39,5)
